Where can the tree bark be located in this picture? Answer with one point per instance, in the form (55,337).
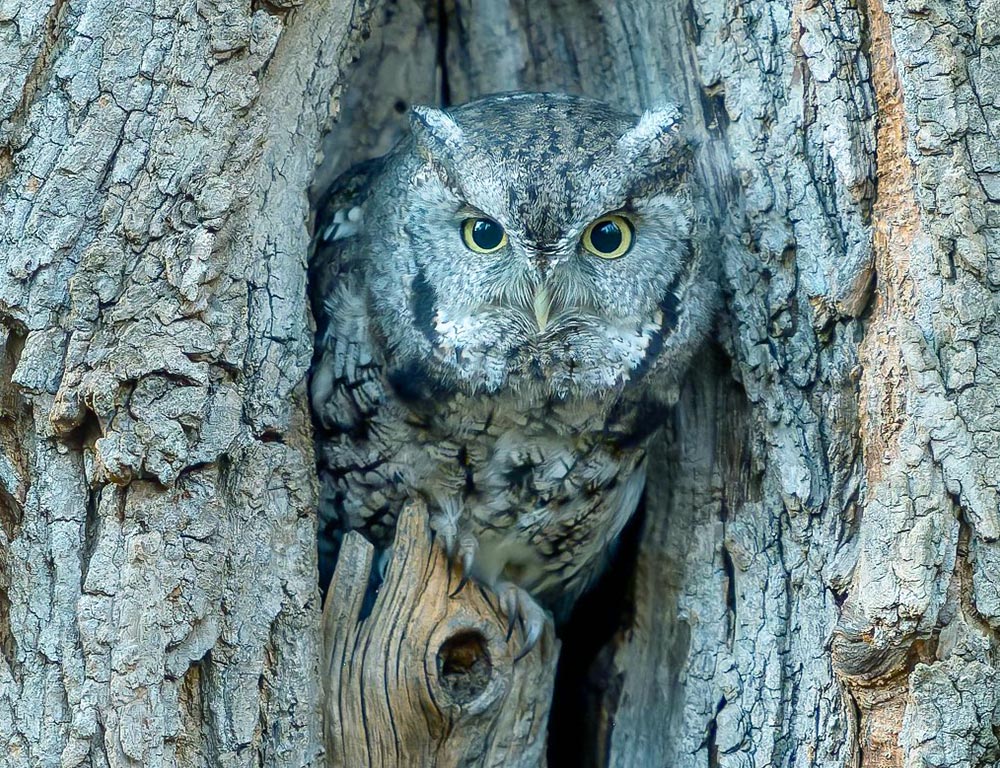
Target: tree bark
(817,569)
(158,601)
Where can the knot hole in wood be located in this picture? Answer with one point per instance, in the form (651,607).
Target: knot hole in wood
(464,666)
(427,677)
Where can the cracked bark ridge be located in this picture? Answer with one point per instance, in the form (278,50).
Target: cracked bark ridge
(423,678)
(158,600)
(920,611)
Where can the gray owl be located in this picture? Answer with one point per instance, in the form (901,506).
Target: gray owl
(505,302)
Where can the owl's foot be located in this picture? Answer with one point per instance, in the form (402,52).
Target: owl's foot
(466,554)
(521,607)
(459,545)
(518,605)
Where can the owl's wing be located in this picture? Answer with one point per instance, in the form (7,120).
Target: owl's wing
(346,391)
(340,210)
(340,217)
(346,385)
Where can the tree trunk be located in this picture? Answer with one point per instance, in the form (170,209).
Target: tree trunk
(158,601)
(815,577)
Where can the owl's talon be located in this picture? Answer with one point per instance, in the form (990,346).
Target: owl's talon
(533,621)
(521,607)
(525,650)
(466,554)
(461,585)
(468,546)
(508,604)
(445,533)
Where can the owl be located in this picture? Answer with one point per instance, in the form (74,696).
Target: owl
(505,303)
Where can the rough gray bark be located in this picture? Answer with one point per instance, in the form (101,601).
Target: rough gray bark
(816,582)
(158,600)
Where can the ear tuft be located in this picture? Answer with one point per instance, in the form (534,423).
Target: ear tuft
(435,129)
(654,137)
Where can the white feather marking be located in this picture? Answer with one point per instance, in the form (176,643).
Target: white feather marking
(346,222)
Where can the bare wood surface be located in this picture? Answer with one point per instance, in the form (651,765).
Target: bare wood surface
(428,678)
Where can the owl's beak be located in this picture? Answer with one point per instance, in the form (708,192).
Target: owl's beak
(542,304)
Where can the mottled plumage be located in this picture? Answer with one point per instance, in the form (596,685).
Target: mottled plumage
(514,390)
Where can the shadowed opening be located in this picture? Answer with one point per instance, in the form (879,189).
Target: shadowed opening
(417,54)
(464,666)
(586,683)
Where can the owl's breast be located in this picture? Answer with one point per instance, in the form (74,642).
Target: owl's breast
(545,486)
(544,489)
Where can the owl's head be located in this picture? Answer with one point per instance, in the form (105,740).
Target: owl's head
(545,245)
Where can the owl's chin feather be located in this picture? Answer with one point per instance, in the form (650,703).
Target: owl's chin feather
(493,350)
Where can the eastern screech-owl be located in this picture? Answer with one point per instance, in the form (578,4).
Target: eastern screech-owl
(505,301)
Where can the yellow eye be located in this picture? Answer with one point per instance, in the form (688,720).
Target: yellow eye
(483,235)
(610,237)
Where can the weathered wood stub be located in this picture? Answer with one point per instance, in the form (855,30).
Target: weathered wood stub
(429,676)
(816,582)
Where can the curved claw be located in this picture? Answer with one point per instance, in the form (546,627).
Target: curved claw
(521,607)
(446,534)
(508,604)
(467,548)
(461,585)
(533,623)
(525,650)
